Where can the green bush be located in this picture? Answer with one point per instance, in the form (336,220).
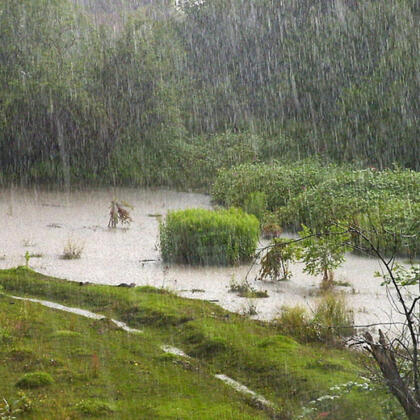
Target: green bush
(206,237)
(279,182)
(34,380)
(349,192)
(256,204)
(383,204)
(203,156)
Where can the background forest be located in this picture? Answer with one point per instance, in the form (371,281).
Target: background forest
(153,93)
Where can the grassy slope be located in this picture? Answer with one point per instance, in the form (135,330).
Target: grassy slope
(132,373)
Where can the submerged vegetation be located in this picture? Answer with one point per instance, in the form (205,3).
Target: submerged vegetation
(98,369)
(72,250)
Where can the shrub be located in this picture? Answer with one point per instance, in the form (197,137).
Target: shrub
(333,318)
(94,408)
(295,321)
(348,193)
(382,204)
(206,237)
(279,182)
(331,321)
(256,204)
(34,380)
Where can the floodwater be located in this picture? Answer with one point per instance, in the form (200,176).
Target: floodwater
(42,222)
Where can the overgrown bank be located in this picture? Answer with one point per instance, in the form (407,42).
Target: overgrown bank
(97,367)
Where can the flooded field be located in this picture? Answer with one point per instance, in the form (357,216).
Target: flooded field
(42,222)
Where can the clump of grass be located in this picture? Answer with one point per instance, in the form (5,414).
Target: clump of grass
(295,321)
(72,250)
(244,289)
(94,408)
(21,354)
(34,380)
(330,322)
(341,283)
(334,318)
(207,237)
(36,255)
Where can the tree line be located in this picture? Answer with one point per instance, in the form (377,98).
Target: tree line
(138,98)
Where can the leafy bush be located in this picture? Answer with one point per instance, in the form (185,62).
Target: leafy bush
(383,204)
(323,254)
(34,380)
(279,182)
(347,193)
(256,204)
(204,155)
(199,236)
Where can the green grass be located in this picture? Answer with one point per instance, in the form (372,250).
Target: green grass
(97,367)
(208,237)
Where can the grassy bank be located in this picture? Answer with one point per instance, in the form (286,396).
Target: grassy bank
(95,366)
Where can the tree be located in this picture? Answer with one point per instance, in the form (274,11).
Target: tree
(323,252)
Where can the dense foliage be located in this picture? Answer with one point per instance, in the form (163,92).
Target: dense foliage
(385,204)
(199,236)
(150,94)
(280,182)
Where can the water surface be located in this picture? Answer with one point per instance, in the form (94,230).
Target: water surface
(41,222)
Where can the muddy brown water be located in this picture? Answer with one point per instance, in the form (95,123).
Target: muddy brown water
(42,222)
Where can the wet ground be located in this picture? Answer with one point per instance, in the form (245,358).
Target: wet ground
(42,222)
